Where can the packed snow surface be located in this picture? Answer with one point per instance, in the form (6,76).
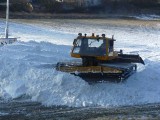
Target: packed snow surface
(26,67)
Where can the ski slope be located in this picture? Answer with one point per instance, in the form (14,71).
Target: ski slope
(26,67)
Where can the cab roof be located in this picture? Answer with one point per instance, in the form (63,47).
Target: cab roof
(97,37)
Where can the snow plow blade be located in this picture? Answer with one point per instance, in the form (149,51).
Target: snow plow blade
(124,58)
(98,73)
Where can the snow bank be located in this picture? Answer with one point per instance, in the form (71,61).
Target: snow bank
(26,68)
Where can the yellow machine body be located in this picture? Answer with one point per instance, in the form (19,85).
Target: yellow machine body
(99,59)
(108,55)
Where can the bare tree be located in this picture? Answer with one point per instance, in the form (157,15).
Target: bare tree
(50,5)
(21,5)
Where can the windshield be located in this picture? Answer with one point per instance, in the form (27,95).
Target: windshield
(91,47)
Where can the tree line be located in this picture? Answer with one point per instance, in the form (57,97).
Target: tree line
(110,6)
(135,6)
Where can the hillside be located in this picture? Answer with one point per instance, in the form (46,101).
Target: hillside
(88,6)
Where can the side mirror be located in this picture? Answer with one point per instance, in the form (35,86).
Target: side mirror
(121,51)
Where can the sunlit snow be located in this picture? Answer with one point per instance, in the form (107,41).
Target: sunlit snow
(26,67)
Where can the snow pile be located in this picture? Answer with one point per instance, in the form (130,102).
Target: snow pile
(26,68)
